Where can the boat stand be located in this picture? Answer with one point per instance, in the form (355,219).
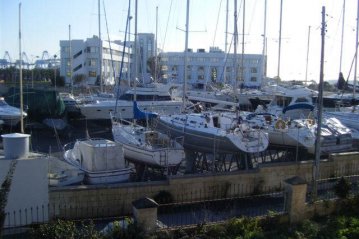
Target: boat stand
(146,172)
(201,162)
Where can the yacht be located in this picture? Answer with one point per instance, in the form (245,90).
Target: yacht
(147,146)
(149,99)
(213,132)
(290,102)
(101,160)
(10,115)
(296,103)
(292,133)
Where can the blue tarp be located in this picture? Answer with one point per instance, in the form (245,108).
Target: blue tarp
(298,106)
(139,114)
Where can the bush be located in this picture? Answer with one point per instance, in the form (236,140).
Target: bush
(342,188)
(66,229)
(163,197)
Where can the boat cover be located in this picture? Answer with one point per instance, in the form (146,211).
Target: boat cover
(100,155)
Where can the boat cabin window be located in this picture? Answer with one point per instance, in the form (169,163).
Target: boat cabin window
(283,101)
(215,121)
(140,97)
(301,100)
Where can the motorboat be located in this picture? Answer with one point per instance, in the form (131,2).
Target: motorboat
(335,137)
(63,174)
(102,160)
(296,103)
(292,102)
(10,115)
(147,146)
(153,99)
(213,132)
(291,133)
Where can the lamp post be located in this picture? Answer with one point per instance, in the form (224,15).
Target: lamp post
(55,71)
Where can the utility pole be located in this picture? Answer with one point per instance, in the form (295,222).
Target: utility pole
(319,117)
(185,59)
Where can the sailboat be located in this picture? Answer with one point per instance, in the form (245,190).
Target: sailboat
(143,145)
(349,116)
(212,132)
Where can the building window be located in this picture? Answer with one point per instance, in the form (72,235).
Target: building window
(254,70)
(253,78)
(92,62)
(92,74)
(91,49)
(65,49)
(214,74)
(200,70)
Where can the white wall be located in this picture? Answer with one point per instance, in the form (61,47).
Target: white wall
(29,189)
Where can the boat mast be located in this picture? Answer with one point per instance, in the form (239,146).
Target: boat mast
(264,40)
(235,40)
(280,38)
(225,45)
(20,76)
(320,104)
(130,47)
(100,47)
(70,58)
(155,79)
(135,60)
(356,53)
(306,65)
(135,54)
(342,38)
(242,57)
(185,59)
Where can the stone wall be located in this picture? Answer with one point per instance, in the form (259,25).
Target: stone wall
(113,200)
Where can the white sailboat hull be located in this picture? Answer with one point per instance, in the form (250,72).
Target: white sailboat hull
(199,136)
(158,151)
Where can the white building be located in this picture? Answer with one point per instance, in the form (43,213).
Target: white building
(146,50)
(214,66)
(87,57)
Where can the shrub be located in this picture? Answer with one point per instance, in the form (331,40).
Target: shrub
(66,229)
(342,188)
(163,197)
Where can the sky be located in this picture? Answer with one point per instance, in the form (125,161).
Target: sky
(45,22)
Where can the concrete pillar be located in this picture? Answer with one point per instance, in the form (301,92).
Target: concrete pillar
(295,197)
(145,213)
